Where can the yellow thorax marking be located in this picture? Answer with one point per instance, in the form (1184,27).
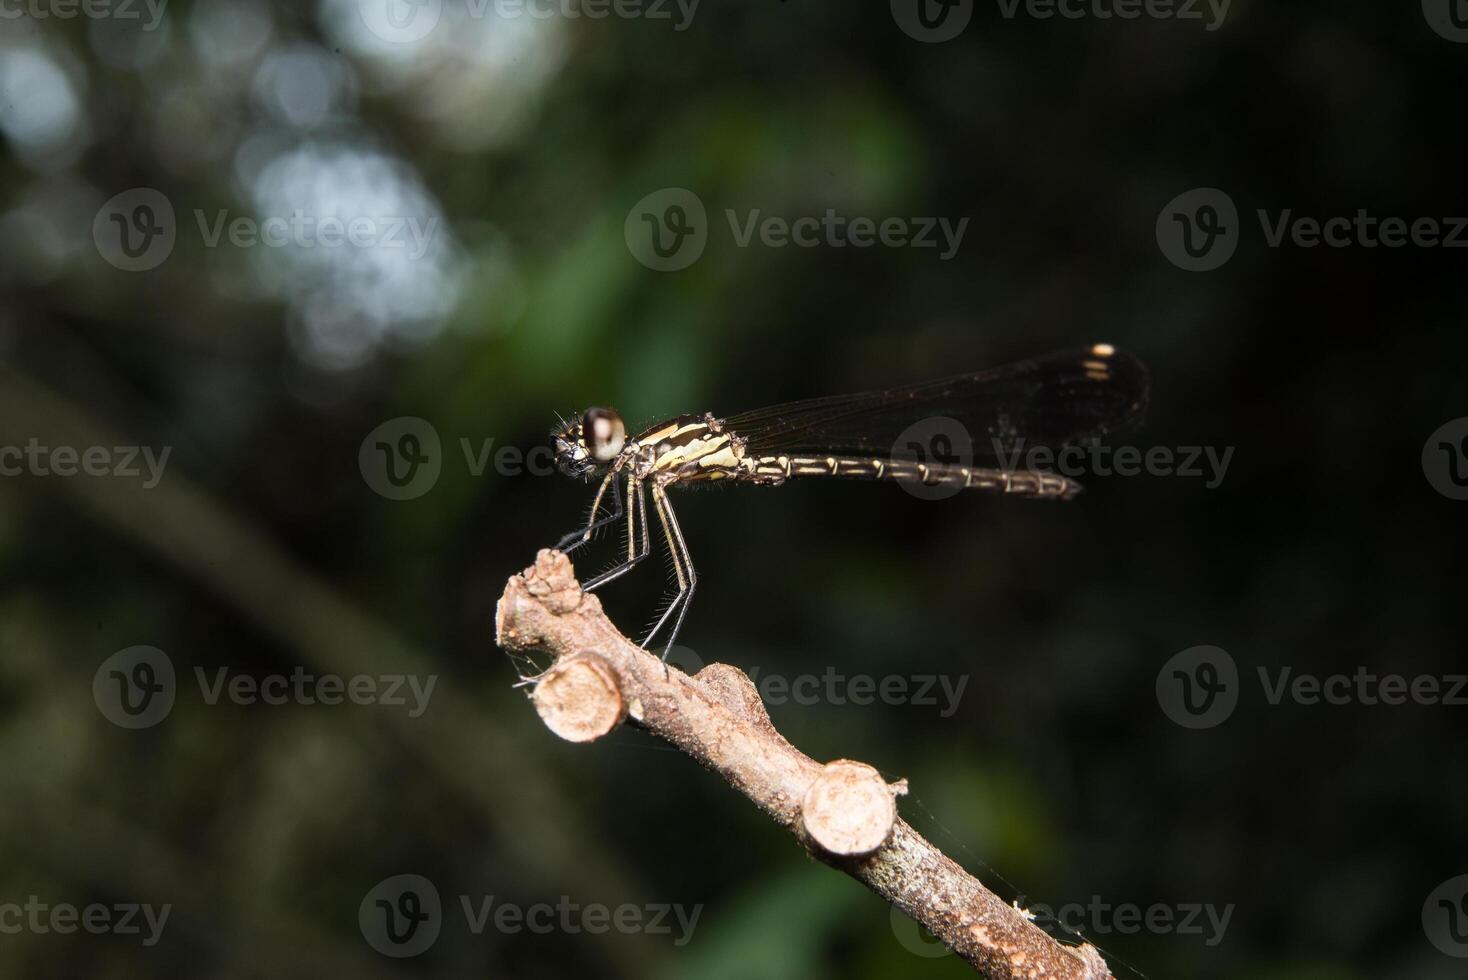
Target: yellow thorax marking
(692,443)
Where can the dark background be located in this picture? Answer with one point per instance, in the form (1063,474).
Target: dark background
(1058,780)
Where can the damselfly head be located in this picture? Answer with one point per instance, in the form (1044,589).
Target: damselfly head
(589,442)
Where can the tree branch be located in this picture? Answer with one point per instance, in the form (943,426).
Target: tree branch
(843,813)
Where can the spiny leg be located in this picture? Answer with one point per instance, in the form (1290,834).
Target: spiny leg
(682,568)
(633,485)
(576,539)
(688,569)
(660,504)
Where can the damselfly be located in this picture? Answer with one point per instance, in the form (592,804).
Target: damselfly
(1060,400)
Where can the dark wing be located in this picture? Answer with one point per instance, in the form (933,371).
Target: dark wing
(1057,400)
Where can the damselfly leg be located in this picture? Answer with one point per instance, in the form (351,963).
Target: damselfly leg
(634,518)
(576,539)
(682,569)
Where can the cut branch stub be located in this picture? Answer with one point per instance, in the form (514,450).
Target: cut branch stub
(580,699)
(848,811)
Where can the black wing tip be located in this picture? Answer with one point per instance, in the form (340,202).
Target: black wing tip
(1127,368)
(1118,359)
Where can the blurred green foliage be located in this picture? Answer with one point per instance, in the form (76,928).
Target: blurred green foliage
(1057,779)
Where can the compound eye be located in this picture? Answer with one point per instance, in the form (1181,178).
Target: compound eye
(603,433)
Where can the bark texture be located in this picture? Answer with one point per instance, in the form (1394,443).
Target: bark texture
(842,812)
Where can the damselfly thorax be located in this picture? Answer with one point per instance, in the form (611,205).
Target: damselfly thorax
(1051,403)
